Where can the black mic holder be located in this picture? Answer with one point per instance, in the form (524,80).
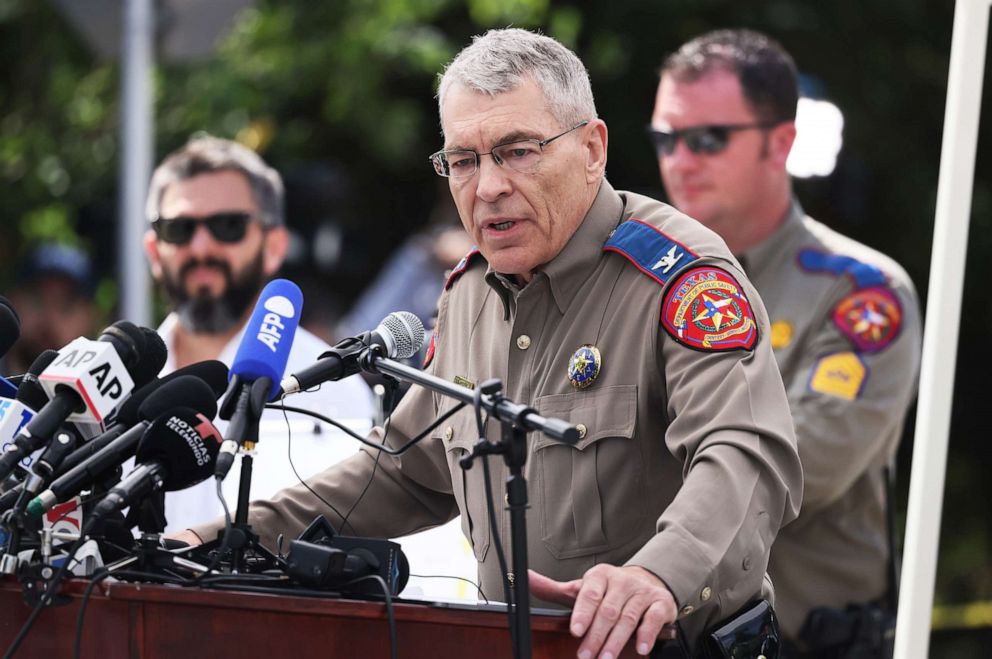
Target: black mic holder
(516,421)
(246,550)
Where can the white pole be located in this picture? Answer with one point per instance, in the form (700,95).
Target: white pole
(136,157)
(940,340)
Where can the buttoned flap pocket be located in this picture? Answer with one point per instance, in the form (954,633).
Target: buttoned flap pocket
(591,491)
(459,434)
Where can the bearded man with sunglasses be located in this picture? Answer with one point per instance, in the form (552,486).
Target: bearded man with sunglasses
(845,329)
(217,236)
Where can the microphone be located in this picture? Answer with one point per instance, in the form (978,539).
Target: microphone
(85,382)
(258,366)
(186,392)
(177,451)
(15,414)
(10,325)
(400,335)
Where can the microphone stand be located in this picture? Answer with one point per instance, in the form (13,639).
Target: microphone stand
(515,420)
(244,430)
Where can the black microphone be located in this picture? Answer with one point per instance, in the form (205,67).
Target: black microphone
(177,451)
(10,326)
(17,413)
(400,335)
(133,411)
(186,392)
(86,382)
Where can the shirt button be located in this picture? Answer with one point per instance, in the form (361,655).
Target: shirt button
(449,432)
(705,594)
(509,577)
(746,563)
(581,427)
(523,341)
(687,609)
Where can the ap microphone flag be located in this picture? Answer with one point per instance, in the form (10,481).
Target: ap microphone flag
(268,337)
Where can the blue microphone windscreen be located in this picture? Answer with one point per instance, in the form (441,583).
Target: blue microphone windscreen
(264,349)
(7,389)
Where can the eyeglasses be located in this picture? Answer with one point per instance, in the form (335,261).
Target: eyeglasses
(710,139)
(226,227)
(521,156)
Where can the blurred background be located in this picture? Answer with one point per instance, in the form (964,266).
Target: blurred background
(339,97)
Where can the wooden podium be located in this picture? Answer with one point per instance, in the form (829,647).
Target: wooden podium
(144,621)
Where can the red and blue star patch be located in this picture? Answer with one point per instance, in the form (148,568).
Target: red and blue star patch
(706,309)
(869,317)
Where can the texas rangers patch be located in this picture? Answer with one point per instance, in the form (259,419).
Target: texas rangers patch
(706,309)
(869,317)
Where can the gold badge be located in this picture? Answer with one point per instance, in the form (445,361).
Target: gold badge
(841,374)
(464,382)
(584,366)
(781,334)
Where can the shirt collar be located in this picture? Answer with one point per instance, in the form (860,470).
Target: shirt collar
(775,247)
(575,262)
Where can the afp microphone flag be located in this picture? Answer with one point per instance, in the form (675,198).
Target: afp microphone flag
(264,348)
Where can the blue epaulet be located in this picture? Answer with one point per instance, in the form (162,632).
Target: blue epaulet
(650,250)
(864,275)
(461,267)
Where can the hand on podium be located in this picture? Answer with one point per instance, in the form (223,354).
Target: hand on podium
(186,536)
(609,604)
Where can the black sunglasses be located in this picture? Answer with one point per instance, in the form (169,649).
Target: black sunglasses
(226,227)
(700,139)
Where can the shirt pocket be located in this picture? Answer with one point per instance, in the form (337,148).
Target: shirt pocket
(590,492)
(459,434)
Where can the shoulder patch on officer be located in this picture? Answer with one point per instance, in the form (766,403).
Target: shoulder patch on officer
(870,318)
(842,374)
(649,249)
(863,274)
(461,267)
(429,357)
(706,309)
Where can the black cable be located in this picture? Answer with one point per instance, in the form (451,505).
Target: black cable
(228,532)
(289,454)
(375,466)
(390,615)
(448,576)
(97,577)
(385,449)
(493,527)
(45,597)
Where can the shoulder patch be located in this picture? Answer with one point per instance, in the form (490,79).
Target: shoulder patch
(649,249)
(429,357)
(461,267)
(863,274)
(706,309)
(870,318)
(841,374)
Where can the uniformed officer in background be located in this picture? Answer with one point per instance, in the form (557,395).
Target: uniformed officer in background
(845,325)
(609,310)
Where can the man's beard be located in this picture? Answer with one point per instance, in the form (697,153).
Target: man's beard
(202,313)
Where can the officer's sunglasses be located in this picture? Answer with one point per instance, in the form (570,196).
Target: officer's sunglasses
(226,227)
(710,140)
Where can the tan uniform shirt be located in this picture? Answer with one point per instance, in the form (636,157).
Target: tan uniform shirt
(687,466)
(849,359)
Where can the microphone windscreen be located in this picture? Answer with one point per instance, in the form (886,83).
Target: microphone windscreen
(152,358)
(128,340)
(30,392)
(10,325)
(264,348)
(186,391)
(185,443)
(211,372)
(406,332)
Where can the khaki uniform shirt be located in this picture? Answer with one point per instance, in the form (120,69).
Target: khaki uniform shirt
(687,465)
(849,359)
